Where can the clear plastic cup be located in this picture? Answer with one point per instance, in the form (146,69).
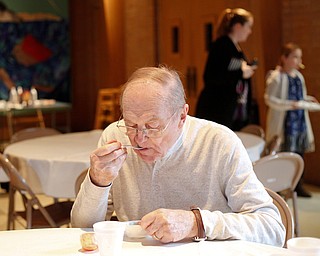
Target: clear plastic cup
(109,236)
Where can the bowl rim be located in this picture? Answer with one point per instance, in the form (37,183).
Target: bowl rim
(291,244)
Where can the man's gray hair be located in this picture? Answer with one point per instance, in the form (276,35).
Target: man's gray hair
(171,91)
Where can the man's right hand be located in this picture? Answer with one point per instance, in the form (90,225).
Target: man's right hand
(105,163)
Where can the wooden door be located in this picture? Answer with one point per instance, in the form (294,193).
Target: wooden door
(185,30)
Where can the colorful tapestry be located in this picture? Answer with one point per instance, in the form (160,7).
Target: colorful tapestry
(36,54)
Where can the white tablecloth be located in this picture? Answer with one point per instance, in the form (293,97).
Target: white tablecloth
(3,176)
(51,164)
(253,144)
(66,241)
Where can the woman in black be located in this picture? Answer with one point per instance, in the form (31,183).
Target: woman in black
(226,96)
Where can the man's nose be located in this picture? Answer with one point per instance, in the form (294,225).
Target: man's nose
(141,135)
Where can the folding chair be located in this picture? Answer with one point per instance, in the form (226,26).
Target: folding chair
(254,129)
(35,214)
(272,146)
(33,132)
(281,173)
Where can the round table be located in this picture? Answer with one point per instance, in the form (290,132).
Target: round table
(253,144)
(52,164)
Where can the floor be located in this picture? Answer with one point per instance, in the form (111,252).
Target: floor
(309,212)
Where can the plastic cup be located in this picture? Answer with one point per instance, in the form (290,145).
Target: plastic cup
(109,236)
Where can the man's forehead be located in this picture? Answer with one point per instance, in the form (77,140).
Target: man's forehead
(140,96)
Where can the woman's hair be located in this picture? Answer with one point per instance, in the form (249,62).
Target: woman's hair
(230,17)
(287,49)
(170,88)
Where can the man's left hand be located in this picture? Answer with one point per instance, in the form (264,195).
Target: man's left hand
(168,225)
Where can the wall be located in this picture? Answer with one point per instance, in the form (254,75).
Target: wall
(301,26)
(140,34)
(98,54)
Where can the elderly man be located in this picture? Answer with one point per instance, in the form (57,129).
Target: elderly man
(184,177)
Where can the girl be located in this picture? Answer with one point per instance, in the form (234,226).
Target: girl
(287,114)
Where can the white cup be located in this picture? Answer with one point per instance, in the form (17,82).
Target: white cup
(109,235)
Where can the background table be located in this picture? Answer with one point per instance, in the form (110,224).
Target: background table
(66,241)
(52,164)
(253,144)
(46,106)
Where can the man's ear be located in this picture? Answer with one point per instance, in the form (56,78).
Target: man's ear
(183,115)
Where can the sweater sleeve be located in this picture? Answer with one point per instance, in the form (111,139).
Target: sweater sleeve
(90,206)
(93,203)
(254,217)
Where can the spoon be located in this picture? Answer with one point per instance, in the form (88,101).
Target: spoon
(130,146)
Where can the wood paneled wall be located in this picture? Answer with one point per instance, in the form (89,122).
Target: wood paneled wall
(97,59)
(299,25)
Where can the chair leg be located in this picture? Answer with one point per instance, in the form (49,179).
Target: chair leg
(29,215)
(10,224)
(295,213)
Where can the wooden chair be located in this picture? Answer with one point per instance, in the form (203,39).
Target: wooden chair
(35,214)
(33,132)
(281,173)
(16,122)
(108,107)
(285,212)
(254,129)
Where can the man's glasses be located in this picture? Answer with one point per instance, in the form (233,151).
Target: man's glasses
(149,132)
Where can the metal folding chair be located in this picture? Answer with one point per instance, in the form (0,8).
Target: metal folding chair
(35,214)
(281,173)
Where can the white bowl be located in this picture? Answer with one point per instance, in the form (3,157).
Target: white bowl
(134,230)
(304,245)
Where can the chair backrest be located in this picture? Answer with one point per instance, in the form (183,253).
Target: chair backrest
(16,180)
(285,212)
(280,171)
(33,132)
(79,181)
(18,183)
(254,129)
(108,107)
